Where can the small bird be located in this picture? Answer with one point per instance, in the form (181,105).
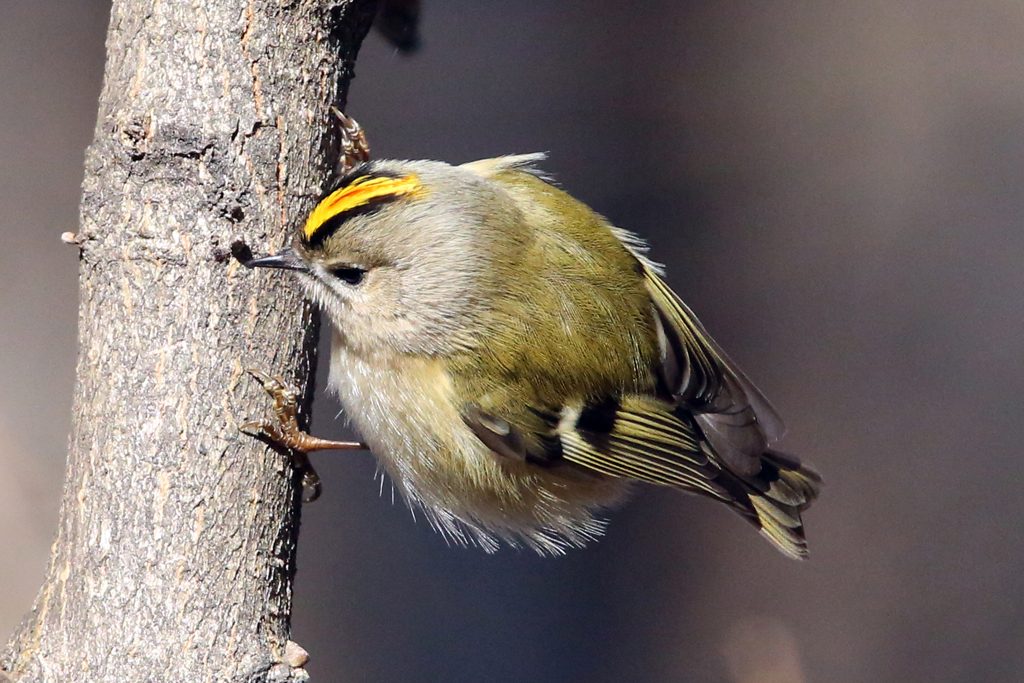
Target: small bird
(516,363)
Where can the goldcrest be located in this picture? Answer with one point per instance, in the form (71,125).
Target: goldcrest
(517,364)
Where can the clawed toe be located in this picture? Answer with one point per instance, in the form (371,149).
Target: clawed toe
(354,149)
(286,433)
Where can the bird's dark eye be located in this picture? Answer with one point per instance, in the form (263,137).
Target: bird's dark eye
(348,274)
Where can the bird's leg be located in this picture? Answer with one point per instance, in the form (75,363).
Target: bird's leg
(353,148)
(285,432)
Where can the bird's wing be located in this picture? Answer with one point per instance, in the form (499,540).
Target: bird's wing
(733,414)
(649,440)
(635,437)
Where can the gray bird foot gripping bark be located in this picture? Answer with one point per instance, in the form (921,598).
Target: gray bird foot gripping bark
(285,432)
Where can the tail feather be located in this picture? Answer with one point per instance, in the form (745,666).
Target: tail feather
(644,438)
(775,497)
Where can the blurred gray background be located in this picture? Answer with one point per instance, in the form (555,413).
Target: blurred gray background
(837,189)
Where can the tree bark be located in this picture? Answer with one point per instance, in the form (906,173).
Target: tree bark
(175,550)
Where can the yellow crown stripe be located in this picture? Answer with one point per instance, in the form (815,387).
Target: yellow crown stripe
(359,192)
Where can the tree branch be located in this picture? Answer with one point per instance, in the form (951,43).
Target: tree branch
(175,549)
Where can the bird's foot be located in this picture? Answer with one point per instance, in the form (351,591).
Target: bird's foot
(284,431)
(354,149)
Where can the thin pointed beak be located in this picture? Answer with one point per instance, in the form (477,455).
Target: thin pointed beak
(286,259)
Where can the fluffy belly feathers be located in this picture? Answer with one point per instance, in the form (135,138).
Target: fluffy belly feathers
(408,417)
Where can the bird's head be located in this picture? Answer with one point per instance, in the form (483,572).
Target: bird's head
(399,254)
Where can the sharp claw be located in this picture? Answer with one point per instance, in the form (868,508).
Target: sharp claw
(340,115)
(348,124)
(263,378)
(265,430)
(354,148)
(253,428)
(258,374)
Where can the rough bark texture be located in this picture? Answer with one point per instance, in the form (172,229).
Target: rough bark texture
(175,549)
